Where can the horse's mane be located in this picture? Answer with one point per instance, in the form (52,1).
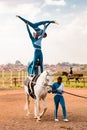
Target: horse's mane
(42,77)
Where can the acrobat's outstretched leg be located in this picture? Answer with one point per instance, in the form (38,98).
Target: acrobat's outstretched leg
(35,25)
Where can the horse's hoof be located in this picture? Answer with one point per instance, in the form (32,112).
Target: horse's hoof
(41,114)
(35,117)
(28,114)
(38,119)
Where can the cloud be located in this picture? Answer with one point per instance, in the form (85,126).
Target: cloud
(55,2)
(12,3)
(72,39)
(74,6)
(23,9)
(65,42)
(26,9)
(58,10)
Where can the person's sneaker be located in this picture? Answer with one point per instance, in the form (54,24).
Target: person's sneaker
(56,120)
(66,120)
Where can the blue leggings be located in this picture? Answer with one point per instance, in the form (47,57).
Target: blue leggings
(35,25)
(35,71)
(59,99)
(37,56)
(32,68)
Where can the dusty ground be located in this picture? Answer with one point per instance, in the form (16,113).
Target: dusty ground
(13,116)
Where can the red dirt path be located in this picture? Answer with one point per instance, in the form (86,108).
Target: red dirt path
(13,116)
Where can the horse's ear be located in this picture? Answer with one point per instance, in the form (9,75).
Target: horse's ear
(47,71)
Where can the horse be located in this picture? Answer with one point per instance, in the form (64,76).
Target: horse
(72,76)
(42,86)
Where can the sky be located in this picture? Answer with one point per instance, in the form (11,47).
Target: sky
(66,42)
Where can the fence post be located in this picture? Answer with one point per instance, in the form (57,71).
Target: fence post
(83,82)
(11,78)
(3,78)
(25,75)
(15,81)
(22,78)
(18,76)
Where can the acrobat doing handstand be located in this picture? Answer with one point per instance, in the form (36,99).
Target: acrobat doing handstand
(36,39)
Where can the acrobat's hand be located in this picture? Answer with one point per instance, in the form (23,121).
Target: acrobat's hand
(56,22)
(26,24)
(44,25)
(16,15)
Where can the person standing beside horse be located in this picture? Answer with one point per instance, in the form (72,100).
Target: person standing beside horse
(36,42)
(57,90)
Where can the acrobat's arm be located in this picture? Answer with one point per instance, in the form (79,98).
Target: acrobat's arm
(28,29)
(45,27)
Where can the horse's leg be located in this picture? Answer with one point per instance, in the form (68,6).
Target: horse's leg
(27,104)
(38,109)
(35,109)
(68,80)
(78,80)
(75,80)
(45,107)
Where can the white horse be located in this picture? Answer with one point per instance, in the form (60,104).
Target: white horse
(42,86)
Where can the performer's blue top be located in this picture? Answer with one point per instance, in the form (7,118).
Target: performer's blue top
(36,42)
(55,87)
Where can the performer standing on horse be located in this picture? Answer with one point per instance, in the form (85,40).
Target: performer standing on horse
(36,41)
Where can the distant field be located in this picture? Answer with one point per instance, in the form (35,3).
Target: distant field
(81,84)
(15,79)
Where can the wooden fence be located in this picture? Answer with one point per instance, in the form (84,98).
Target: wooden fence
(12,78)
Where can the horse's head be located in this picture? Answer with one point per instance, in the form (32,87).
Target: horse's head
(64,73)
(48,80)
(48,73)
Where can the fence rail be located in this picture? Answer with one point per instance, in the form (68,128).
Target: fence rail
(12,78)
(16,79)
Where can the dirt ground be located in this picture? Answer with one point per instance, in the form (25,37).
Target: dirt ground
(13,116)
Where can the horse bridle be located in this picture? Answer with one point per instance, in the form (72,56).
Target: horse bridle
(48,80)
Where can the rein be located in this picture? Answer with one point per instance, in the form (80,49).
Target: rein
(74,94)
